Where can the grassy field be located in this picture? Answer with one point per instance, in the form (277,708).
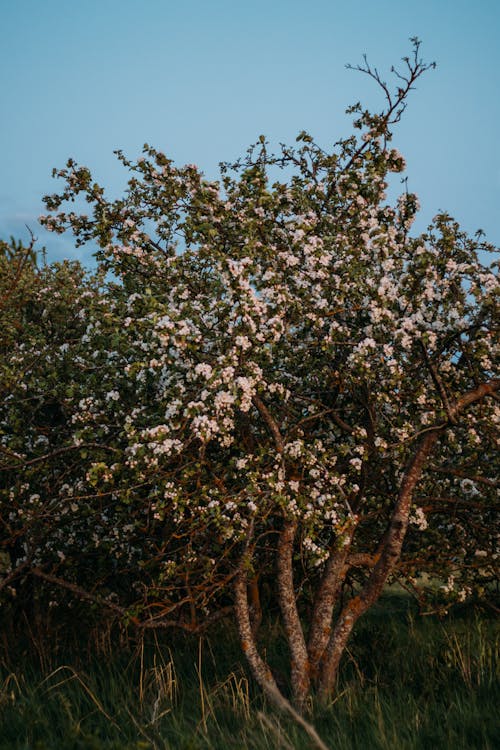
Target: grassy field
(407,683)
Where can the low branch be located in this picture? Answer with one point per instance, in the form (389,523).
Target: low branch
(466,475)
(189,627)
(78,591)
(10,577)
(59,451)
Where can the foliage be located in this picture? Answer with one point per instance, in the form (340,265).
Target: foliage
(277,380)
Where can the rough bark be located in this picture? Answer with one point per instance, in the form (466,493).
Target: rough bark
(299,666)
(260,670)
(324,603)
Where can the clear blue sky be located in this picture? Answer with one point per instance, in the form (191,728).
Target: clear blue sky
(202,79)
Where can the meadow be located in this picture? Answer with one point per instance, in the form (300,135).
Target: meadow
(408,682)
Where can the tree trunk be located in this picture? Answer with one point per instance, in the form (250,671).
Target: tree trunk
(324,603)
(389,555)
(260,670)
(299,666)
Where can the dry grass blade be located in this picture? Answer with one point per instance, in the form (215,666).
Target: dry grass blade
(236,691)
(7,694)
(277,731)
(75,676)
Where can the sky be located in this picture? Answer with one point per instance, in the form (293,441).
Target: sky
(202,79)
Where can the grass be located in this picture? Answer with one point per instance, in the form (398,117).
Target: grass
(407,683)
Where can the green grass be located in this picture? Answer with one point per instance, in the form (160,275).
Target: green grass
(407,683)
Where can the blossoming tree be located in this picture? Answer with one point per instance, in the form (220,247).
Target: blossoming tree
(287,381)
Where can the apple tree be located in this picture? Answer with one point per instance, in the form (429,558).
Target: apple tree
(284,385)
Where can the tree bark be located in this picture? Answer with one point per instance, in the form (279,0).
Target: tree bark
(260,670)
(299,665)
(324,603)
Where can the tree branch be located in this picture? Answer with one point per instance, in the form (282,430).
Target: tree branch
(271,423)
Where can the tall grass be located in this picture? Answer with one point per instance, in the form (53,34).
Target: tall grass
(407,683)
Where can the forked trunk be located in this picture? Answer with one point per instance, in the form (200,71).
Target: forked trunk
(260,670)
(389,553)
(321,659)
